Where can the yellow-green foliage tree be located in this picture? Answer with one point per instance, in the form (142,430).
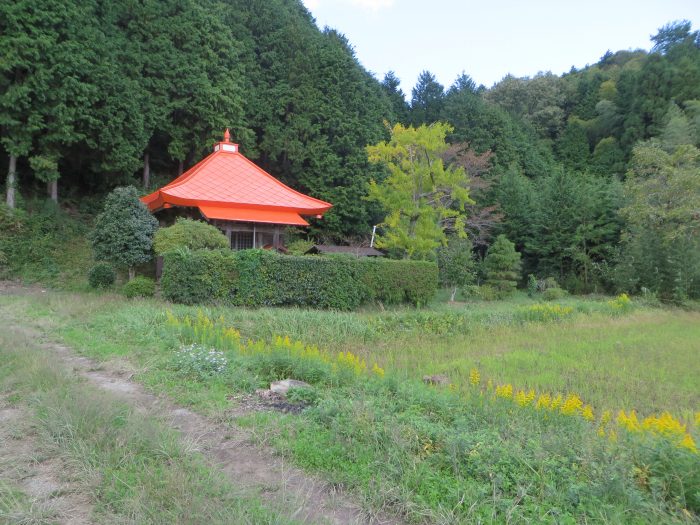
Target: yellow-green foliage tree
(423,198)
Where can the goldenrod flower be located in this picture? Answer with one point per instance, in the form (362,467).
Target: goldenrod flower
(474,377)
(555,402)
(544,401)
(376,370)
(689,443)
(572,405)
(505,391)
(630,423)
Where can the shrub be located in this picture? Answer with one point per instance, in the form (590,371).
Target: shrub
(192,277)
(553,294)
(140,287)
(532,286)
(124,231)
(102,275)
(269,279)
(188,233)
(299,246)
(263,278)
(393,282)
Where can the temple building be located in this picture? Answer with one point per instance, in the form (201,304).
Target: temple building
(244,201)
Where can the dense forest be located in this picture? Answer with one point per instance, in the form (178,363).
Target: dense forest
(594,175)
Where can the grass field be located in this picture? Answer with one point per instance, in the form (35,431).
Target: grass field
(423,451)
(644,360)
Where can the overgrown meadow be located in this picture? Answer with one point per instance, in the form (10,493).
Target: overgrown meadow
(536,424)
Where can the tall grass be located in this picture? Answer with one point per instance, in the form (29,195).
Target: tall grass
(644,359)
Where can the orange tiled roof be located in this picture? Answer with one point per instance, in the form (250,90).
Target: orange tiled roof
(226,185)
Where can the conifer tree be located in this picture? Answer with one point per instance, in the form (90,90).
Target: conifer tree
(124,231)
(427,100)
(392,87)
(502,266)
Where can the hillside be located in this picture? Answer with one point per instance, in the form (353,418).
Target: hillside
(97,95)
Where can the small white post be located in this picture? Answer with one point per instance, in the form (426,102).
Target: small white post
(374,230)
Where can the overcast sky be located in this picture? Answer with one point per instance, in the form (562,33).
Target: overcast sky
(489,38)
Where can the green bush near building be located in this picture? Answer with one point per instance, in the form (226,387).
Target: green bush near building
(140,287)
(263,278)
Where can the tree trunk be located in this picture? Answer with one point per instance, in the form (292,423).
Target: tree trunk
(132,272)
(180,167)
(11,174)
(146,170)
(454,292)
(52,190)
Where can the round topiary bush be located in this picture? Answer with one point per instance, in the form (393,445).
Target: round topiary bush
(188,233)
(553,294)
(140,287)
(101,275)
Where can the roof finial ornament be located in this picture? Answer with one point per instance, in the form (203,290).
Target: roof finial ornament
(227,136)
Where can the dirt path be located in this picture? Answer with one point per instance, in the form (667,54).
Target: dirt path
(251,467)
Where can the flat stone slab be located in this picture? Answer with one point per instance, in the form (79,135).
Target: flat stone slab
(282,387)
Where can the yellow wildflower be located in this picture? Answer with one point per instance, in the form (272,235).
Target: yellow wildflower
(505,391)
(572,405)
(630,423)
(524,399)
(689,443)
(665,425)
(587,413)
(543,401)
(556,402)
(474,377)
(378,371)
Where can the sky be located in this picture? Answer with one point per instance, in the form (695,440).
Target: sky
(488,39)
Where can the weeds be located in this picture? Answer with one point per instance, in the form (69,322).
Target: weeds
(417,425)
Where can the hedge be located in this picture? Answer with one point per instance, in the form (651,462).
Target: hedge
(201,276)
(263,278)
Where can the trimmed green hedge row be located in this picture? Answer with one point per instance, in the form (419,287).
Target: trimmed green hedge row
(263,278)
